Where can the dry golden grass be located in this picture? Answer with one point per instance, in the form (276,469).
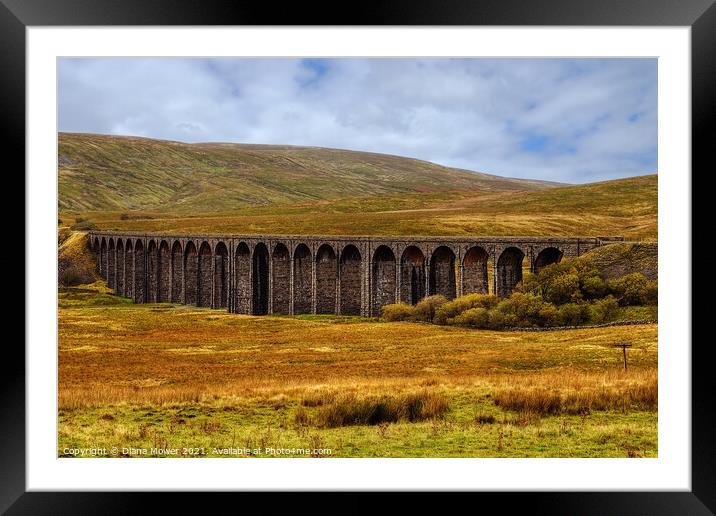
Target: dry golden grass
(75,264)
(579,394)
(159,354)
(625,207)
(351,409)
(149,375)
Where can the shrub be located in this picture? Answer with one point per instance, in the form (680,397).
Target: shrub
(453,308)
(521,309)
(593,287)
(530,283)
(497,319)
(549,315)
(632,289)
(426,308)
(562,288)
(124,216)
(574,314)
(603,310)
(477,317)
(652,292)
(398,312)
(568,281)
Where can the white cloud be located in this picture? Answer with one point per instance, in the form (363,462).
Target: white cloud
(557,119)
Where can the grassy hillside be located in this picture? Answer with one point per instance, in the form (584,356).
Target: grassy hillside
(617,260)
(76,264)
(126,183)
(626,207)
(99,172)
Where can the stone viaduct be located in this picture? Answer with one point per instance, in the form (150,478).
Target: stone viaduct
(272,274)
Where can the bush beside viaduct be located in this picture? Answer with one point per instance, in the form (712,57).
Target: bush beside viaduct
(271,274)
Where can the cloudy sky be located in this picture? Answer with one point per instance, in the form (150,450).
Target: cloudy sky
(570,120)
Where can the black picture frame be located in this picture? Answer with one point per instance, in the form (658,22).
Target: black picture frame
(700,15)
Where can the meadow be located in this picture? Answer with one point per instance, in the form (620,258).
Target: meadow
(198,381)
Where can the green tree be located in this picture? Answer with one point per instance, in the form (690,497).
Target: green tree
(632,289)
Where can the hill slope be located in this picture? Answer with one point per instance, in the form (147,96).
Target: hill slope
(616,260)
(626,207)
(104,173)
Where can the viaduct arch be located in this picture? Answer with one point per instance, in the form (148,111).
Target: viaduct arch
(291,274)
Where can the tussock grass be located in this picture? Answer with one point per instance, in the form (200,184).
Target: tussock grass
(484,419)
(350,409)
(636,392)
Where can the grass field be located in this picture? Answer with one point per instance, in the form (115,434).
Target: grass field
(202,381)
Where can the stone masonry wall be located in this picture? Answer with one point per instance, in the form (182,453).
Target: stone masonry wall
(326,280)
(293,274)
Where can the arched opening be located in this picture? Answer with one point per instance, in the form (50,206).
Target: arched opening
(119,289)
(412,275)
(350,281)
(190,274)
(302,281)
(242,272)
(221,276)
(129,270)
(111,264)
(326,280)
(442,272)
(260,279)
(103,260)
(509,271)
(153,272)
(474,269)
(546,257)
(204,276)
(139,273)
(177,275)
(164,273)
(281,264)
(383,278)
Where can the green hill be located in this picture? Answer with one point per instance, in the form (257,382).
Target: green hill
(138,184)
(616,260)
(105,173)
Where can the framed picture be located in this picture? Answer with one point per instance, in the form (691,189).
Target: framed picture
(247,240)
